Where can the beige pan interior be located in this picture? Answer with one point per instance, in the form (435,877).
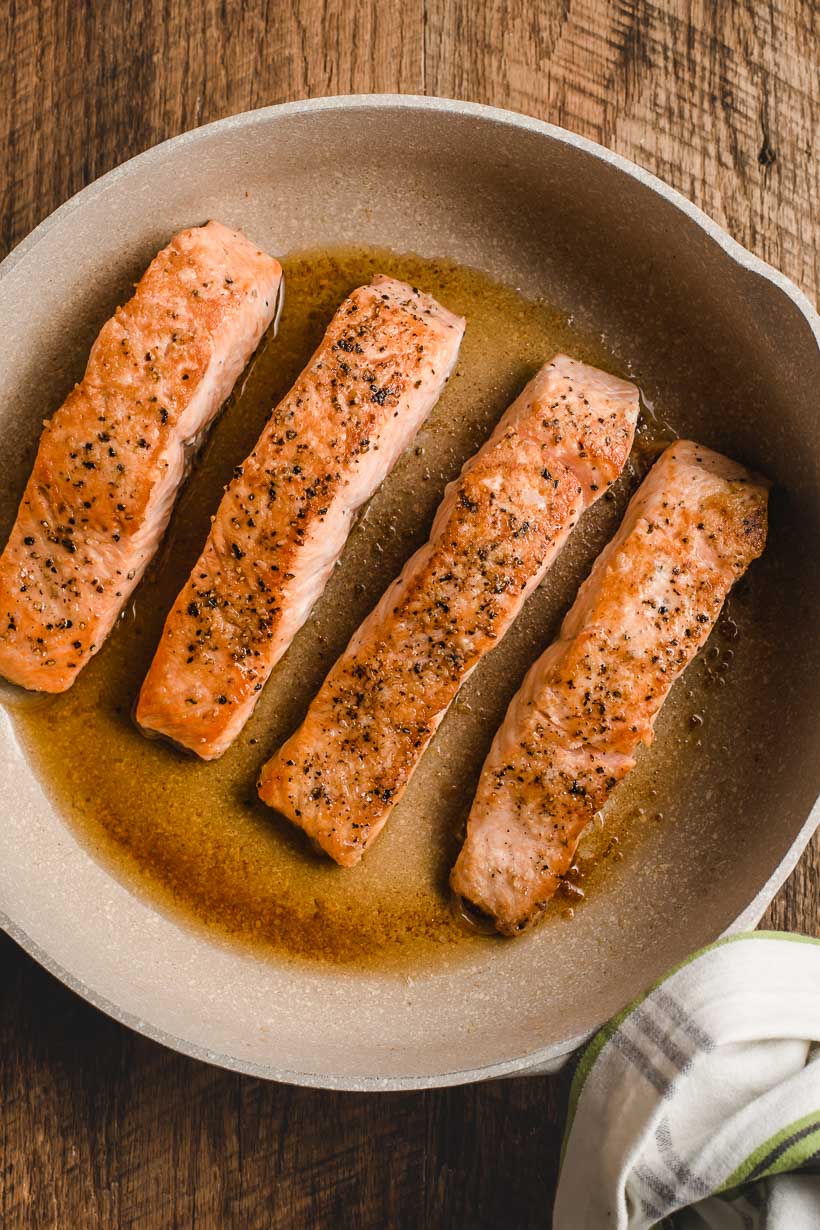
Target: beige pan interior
(572,249)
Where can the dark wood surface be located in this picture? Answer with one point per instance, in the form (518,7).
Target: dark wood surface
(100,1129)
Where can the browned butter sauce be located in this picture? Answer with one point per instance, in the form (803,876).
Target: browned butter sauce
(194,835)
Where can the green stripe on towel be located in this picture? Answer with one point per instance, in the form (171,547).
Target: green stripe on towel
(603,1036)
(786,1150)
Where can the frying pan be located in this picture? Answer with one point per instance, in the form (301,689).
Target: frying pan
(733,348)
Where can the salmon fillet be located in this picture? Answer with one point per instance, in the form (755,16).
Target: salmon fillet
(496,532)
(284,519)
(572,731)
(112,458)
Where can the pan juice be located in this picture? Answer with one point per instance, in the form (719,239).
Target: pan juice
(194,836)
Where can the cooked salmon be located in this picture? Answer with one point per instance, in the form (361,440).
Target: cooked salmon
(498,529)
(112,458)
(284,518)
(572,731)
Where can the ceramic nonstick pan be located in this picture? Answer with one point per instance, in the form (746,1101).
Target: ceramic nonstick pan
(724,345)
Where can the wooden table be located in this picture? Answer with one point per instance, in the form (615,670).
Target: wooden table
(99,1128)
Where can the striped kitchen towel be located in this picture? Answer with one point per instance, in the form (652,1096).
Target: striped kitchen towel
(698,1107)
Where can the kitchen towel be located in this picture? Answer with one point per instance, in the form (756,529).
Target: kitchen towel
(698,1107)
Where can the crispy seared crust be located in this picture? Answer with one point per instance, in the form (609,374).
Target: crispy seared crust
(573,730)
(284,519)
(111,459)
(499,527)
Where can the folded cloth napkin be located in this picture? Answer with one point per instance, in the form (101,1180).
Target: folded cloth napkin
(698,1107)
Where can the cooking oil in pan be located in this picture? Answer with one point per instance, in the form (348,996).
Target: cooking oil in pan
(195,835)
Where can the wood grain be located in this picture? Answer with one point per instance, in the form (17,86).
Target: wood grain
(100,1129)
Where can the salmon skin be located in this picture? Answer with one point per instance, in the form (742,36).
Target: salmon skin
(284,519)
(112,458)
(496,532)
(573,730)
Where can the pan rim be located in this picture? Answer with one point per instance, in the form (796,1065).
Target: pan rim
(498,115)
(545,1057)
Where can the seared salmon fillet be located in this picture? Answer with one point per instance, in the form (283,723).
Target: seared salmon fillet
(284,518)
(112,458)
(496,532)
(572,731)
